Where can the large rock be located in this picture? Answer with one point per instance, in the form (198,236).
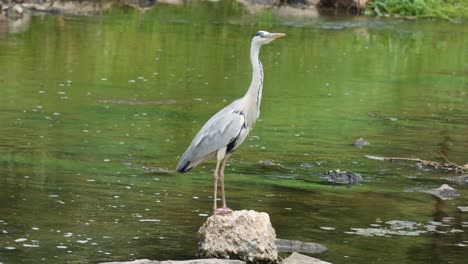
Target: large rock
(244,235)
(297,258)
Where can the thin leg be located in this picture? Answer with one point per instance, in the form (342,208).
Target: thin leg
(215,184)
(224,209)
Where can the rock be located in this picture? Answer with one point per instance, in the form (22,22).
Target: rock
(68,7)
(297,258)
(193,261)
(444,192)
(139,3)
(343,177)
(245,235)
(360,142)
(460,180)
(14,12)
(290,246)
(296,8)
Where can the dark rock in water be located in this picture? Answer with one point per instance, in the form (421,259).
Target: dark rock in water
(360,142)
(297,258)
(461,180)
(343,177)
(444,192)
(290,246)
(244,235)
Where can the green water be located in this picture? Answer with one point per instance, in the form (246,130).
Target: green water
(94,109)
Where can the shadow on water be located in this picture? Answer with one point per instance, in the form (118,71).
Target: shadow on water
(95,115)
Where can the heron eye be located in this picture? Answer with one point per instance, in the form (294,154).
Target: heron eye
(258,34)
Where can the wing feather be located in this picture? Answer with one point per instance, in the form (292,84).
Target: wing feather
(215,134)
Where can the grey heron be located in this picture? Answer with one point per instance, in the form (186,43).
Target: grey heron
(229,127)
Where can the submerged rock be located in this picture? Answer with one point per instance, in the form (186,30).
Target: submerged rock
(342,177)
(461,180)
(407,228)
(395,227)
(290,246)
(297,258)
(244,235)
(444,192)
(360,142)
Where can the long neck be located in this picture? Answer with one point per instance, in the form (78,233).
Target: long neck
(253,96)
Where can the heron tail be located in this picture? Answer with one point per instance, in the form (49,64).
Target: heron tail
(184,166)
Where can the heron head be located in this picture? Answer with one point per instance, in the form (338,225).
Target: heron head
(263,37)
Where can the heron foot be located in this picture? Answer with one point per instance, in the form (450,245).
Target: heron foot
(222,211)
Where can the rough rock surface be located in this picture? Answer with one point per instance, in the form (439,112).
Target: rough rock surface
(444,192)
(461,180)
(342,177)
(297,258)
(193,261)
(14,11)
(360,142)
(245,235)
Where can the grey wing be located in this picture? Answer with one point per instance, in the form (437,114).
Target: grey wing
(224,127)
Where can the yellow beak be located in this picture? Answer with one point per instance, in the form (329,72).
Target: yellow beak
(278,35)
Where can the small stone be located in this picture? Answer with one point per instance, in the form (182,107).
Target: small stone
(342,177)
(360,142)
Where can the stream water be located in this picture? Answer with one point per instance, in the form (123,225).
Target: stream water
(96,110)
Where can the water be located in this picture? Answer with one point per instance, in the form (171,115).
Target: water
(95,112)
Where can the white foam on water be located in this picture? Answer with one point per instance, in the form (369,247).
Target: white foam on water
(149,220)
